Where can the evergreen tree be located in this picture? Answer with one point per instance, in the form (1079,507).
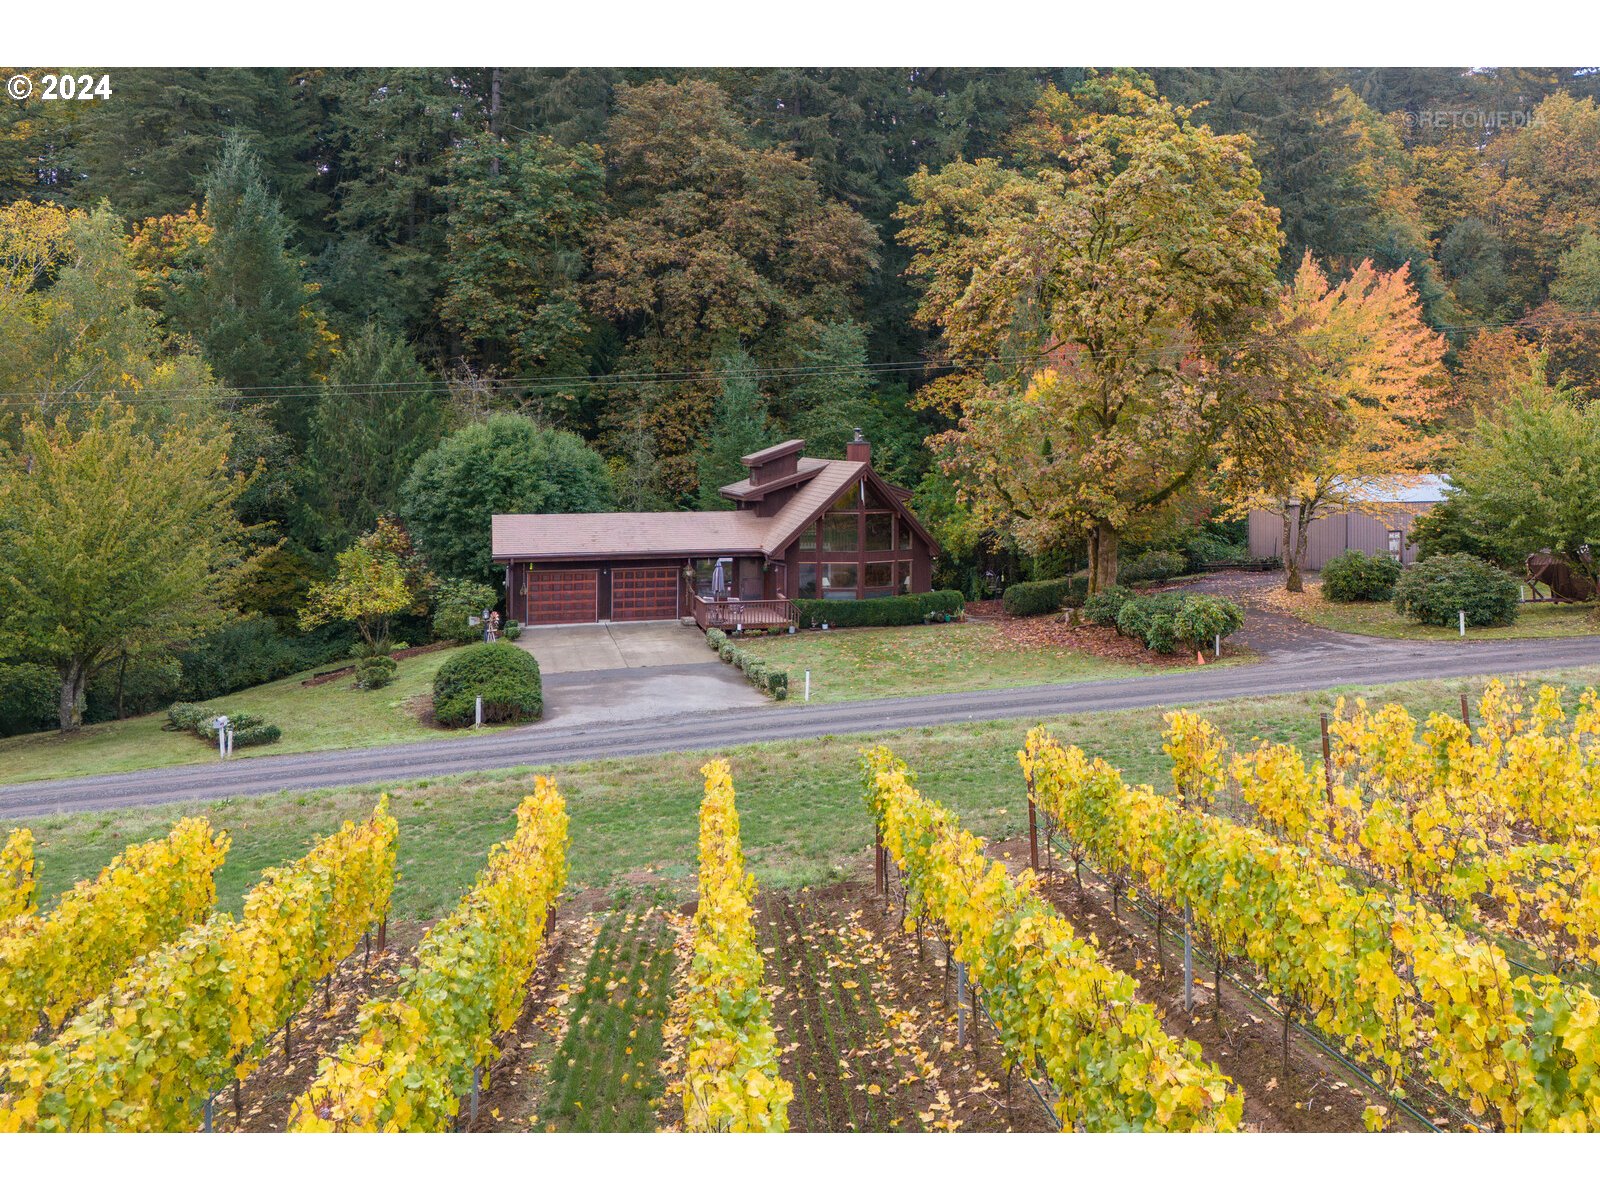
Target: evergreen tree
(739,426)
(378,413)
(519,216)
(247,303)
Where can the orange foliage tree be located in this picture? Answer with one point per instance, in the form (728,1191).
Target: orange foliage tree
(1368,349)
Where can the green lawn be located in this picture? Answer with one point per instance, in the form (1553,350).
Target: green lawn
(918,660)
(330,716)
(634,821)
(1379,619)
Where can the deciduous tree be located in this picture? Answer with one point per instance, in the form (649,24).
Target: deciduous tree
(1367,349)
(1133,260)
(114,539)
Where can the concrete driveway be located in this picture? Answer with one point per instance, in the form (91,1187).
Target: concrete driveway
(597,675)
(563,649)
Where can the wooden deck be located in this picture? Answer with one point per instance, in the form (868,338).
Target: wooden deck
(745,614)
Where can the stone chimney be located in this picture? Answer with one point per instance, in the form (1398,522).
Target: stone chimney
(859,450)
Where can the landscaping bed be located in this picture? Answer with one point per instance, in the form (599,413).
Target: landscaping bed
(1379,619)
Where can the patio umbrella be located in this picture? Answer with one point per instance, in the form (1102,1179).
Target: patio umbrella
(718,583)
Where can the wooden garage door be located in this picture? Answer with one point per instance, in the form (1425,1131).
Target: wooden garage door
(644,593)
(562,597)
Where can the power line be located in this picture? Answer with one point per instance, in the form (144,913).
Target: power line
(532,385)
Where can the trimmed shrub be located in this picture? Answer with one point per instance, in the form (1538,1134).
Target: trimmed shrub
(511,630)
(188,718)
(1153,620)
(506,678)
(1151,565)
(1045,595)
(1203,619)
(375,672)
(1357,576)
(1435,591)
(1102,607)
(887,610)
(774,682)
(197,719)
(1165,620)
(29,695)
(459,599)
(247,731)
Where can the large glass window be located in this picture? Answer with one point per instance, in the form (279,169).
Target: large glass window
(808,537)
(905,534)
(903,574)
(807,585)
(848,502)
(880,531)
(878,579)
(839,533)
(838,581)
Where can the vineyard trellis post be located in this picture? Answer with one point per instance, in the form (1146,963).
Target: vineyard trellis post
(1033,833)
(1327,760)
(1188,959)
(961,1003)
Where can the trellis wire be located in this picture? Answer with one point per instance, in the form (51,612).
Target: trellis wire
(1262,1000)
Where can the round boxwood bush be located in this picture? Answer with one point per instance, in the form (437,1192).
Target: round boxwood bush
(1436,590)
(375,672)
(1102,607)
(1357,576)
(506,678)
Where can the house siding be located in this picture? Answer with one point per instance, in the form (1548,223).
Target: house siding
(1336,532)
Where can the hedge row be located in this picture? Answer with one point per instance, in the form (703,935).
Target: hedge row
(774,682)
(196,719)
(1045,595)
(886,610)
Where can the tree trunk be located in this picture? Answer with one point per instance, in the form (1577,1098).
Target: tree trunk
(74,683)
(1291,550)
(1094,561)
(1105,553)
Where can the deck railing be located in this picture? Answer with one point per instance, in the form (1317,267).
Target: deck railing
(744,614)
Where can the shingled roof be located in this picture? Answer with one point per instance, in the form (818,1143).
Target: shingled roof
(566,536)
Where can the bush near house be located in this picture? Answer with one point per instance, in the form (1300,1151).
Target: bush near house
(1045,595)
(774,682)
(506,678)
(459,599)
(1436,591)
(886,610)
(1357,576)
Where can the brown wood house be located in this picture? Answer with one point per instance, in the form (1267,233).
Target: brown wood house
(801,528)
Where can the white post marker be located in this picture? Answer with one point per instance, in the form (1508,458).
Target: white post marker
(808,687)
(1218,646)
(1463,615)
(220,724)
(477,713)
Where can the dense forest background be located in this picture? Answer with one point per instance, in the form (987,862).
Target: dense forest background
(675,265)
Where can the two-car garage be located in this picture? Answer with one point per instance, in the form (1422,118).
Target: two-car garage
(549,596)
